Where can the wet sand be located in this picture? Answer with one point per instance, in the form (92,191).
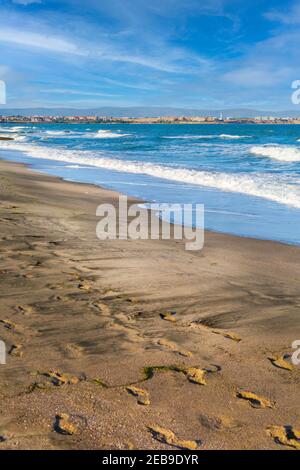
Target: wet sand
(139,344)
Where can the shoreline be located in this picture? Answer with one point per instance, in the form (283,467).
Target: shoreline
(133,199)
(83,319)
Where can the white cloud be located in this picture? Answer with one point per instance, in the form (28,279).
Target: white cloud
(39,41)
(67,91)
(257,76)
(270,63)
(169,61)
(132,85)
(154,48)
(26,2)
(144,61)
(287,17)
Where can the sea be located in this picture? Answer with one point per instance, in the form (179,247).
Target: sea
(246,175)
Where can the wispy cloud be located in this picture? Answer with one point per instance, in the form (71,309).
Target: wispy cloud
(39,41)
(26,2)
(261,76)
(290,16)
(134,85)
(175,60)
(66,91)
(144,61)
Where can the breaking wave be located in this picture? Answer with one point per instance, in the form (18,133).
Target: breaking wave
(283,153)
(100,134)
(105,134)
(210,136)
(234,137)
(265,186)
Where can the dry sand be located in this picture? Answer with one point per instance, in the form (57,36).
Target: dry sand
(95,359)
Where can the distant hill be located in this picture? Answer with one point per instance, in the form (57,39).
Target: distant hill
(145,111)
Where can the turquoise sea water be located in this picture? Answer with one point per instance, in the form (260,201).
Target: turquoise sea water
(247,176)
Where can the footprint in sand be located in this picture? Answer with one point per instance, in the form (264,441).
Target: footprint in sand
(63,425)
(228,335)
(255,400)
(60,298)
(16,350)
(12,326)
(73,351)
(35,264)
(131,333)
(58,378)
(196,375)
(285,435)
(218,423)
(225,334)
(110,294)
(5,436)
(168,437)
(141,394)
(102,308)
(25,309)
(280,362)
(168,316)
(85,285)
(129,445)
(124,318)
(193,374)
(73,275)
(28,275)
(174,347)
(59,285)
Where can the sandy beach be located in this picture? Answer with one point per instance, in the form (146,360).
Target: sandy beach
(139,344)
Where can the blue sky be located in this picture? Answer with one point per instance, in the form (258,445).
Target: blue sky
(198,54)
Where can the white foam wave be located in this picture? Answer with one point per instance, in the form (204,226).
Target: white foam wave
(210,136)
(234,137)
(77,167)
(58,132)
(10,130)
(15,129)
(106,134)
(18,128)
(283,153)
(189,137)
(269,187)
(100,134)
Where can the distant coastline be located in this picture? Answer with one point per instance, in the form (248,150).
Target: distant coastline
(145,120)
